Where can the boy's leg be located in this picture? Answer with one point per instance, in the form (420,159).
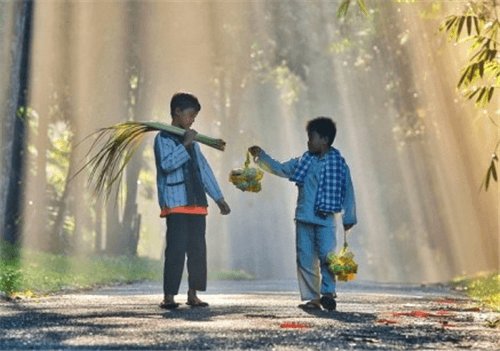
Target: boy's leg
(175,253)
(197,253)
(307,268)
(326,244)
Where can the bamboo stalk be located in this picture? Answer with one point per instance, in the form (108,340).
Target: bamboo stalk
(123,139)
(218,144)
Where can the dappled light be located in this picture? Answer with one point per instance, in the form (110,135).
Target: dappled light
(418,150)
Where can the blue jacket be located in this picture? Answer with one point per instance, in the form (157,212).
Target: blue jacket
(170,157)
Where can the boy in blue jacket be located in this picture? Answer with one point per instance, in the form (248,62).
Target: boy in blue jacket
(324,188)
(183,178)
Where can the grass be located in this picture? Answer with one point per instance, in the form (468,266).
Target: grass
(230,275)
(42,273)
(484,287)
(37,273)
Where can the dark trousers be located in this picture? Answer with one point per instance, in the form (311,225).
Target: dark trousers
(185,236)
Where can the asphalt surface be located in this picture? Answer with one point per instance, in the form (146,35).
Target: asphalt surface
(249,315)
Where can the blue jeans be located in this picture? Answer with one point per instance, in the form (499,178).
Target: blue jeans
(313,244)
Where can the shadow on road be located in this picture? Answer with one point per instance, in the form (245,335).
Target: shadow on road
(210,313)
(345,317)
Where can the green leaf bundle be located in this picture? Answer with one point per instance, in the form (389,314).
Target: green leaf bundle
(120,143)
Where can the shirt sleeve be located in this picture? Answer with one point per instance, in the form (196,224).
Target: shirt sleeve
(169,156)
(349,215)
(285,169)
(208,178)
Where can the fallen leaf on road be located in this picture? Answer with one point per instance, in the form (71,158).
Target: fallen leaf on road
(472,309)
(420,314)
(423,314)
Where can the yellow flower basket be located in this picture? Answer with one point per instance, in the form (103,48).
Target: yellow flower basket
(248,178)
(342,264)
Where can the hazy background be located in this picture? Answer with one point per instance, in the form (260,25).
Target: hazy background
(417,150)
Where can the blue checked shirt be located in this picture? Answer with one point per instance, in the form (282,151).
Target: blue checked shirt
(306,200)
(170,157)
(331,187)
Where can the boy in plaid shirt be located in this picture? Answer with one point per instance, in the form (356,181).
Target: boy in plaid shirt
(325,188)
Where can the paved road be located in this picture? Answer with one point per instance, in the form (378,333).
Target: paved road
(248,315)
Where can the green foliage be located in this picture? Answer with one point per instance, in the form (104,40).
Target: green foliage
(119,143)
(491,173)
(344,8)
(231,275)
(480,77)
(431,10)
(355,46)
(484,287)
(34,271)
(24,113)
(147,176)
(10,275)
(9,266)
(58,156)
(286,81)
(43,272)
(339,47)
(482,31)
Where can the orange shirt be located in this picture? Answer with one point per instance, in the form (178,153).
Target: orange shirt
(195,210)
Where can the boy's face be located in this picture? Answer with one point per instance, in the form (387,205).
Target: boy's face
(184,118)
(316,143)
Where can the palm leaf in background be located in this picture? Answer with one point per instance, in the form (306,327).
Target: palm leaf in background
(108,164)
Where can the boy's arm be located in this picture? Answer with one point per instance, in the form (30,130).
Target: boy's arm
(169,156)
(208,178)
(285,169)
(349,217)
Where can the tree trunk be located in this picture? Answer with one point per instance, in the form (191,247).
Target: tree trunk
(123,237)
(13,164)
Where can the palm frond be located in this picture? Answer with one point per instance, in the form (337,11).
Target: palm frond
(120,143)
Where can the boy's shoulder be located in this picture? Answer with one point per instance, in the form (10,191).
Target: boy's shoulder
(336,154)
(168,137)
(174,140)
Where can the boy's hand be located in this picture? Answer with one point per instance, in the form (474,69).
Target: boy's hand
(254,151)
(348,226)
(224,207)
(189,136)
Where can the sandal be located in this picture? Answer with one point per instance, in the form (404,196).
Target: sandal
(168,304)
(196,302)
(328,302)
(311,305)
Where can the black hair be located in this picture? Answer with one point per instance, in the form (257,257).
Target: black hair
(324,126)
(184,101)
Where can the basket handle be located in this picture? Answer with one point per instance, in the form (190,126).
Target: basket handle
(338,219)
(346,232)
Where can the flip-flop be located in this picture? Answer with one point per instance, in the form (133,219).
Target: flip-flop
(310,306)
(196,303)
